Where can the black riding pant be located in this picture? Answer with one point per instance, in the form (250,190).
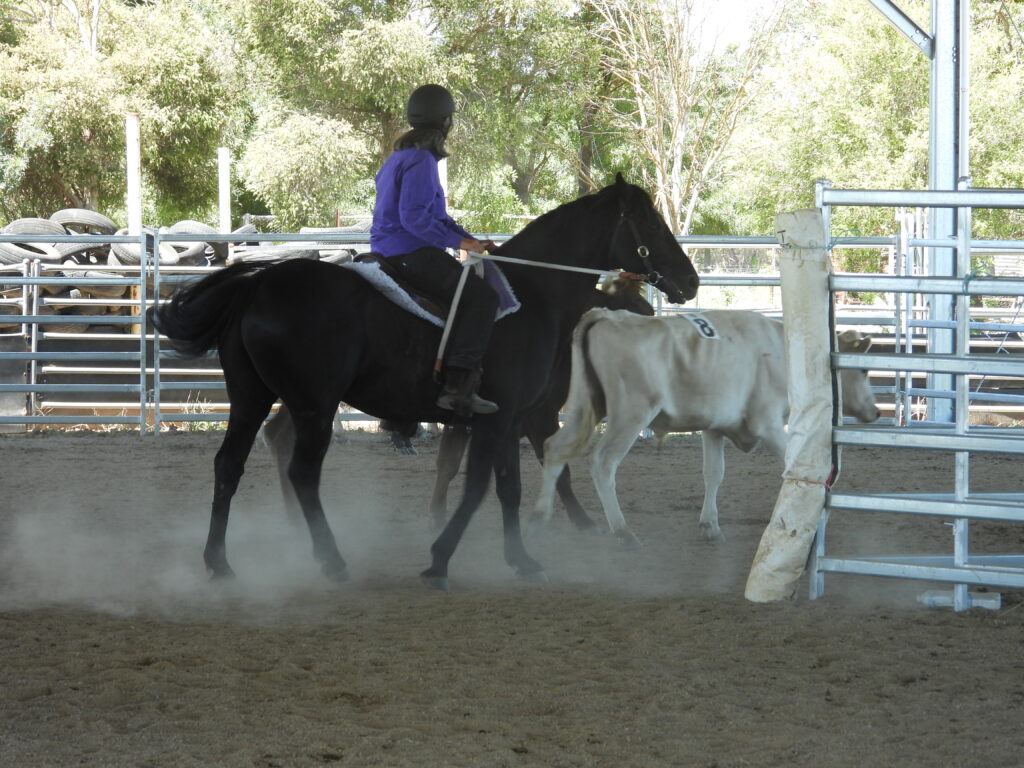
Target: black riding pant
(435,274)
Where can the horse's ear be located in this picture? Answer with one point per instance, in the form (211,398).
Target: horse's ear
(621,192)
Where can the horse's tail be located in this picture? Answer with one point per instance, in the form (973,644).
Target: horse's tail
(586,403)
(197,314)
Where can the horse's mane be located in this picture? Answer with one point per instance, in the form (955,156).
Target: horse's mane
(579,205)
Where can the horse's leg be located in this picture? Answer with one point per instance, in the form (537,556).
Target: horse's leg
(483,446)
(538,430)
(247,416)
(454,439)
(508,485)
(280,434)
(714,470)
(620,434)
(312,438)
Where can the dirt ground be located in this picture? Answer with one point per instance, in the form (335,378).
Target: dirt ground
(118,651)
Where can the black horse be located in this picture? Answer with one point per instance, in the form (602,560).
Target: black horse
(314,334)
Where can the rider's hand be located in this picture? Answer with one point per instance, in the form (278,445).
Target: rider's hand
(476,246)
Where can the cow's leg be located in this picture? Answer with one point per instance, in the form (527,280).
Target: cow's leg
(449,458)
(714,471)
(313,430)
(565,444)
(537,432)
(621,432)
(279,432)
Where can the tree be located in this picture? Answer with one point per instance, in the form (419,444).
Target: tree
(529,74)
(65,86)
(847,100)
(676,103)
(304,164)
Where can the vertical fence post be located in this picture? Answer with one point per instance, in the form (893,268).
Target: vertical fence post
(786,543)
(224,193)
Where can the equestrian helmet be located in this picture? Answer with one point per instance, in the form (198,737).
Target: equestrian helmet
(429,105)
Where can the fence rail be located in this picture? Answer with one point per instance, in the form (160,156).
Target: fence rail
(70,357)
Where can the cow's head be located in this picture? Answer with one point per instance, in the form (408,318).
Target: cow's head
(858,399)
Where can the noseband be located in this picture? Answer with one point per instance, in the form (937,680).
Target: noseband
(652,275)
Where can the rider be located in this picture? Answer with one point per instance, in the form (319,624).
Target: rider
(411,227)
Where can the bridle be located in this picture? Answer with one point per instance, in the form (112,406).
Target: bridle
(651,274)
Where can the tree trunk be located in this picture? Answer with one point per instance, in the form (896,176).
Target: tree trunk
(522,184)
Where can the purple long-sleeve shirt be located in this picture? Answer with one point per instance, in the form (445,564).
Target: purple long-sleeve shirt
(410,212)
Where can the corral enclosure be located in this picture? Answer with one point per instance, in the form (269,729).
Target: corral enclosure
(118,651)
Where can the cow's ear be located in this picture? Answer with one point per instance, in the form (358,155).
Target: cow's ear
(620,182)
(854,341)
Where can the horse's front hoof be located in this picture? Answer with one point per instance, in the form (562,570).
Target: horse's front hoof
(406,450)
(436,583)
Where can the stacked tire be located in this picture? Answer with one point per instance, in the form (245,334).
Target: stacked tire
(86,260)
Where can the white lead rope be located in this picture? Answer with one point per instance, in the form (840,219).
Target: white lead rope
(471,261)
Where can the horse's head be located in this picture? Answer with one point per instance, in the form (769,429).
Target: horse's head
(643,243)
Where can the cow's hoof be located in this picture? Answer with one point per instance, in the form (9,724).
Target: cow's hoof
(590,528)
(712,536)
(628,539)
(436,583)
(536,526)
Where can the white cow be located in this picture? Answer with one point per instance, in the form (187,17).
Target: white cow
(720,372)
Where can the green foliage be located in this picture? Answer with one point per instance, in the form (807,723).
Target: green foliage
(303,166)
(62,111)
(310,94)
(848,101)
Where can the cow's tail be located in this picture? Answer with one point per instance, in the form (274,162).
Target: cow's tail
(197,313)
(586,404)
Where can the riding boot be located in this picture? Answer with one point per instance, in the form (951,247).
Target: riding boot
(459,393)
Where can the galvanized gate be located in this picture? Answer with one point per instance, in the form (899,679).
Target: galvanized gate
(948,359)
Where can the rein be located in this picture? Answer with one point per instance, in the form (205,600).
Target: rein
(651,276)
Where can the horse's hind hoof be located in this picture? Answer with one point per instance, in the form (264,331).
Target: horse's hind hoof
(336,573)
(220,573)
(436,583)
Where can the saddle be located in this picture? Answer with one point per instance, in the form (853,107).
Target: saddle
(437,309)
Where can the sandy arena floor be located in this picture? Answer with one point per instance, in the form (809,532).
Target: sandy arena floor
(118,651)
